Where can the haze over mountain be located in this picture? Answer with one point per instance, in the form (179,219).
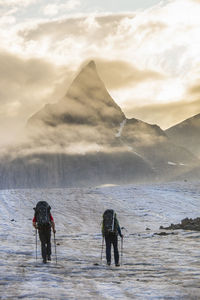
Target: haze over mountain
(86,102)
(85,139)
(87,116)
(88,107)
(187,134)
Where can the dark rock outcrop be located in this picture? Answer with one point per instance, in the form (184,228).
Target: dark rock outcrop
(163,233)
(186,224)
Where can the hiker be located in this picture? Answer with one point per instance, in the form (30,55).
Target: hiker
(110,231)
(43,221)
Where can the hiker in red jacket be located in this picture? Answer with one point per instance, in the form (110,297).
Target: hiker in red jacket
(43,221)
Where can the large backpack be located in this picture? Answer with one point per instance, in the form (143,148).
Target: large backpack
(42,214)
(109,222)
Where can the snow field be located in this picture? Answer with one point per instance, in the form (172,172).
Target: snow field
(154,267)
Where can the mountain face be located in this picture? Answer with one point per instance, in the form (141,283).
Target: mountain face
(76,142)
(151,143)
(186,134)
(85,139)
(87,112)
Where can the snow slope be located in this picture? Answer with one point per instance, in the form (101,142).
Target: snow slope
(154,267)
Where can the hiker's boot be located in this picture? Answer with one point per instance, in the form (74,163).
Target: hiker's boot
(49,257)
(117,265)
(108,263)
(44,261)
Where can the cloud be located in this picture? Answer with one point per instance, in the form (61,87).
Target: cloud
(105,36)
(24,77)
(25,86)
(144,58)
(195,90)
(18,3)
(51,10)
(56,8)
(137,38)
(120,74)
(71,4)
(75,27)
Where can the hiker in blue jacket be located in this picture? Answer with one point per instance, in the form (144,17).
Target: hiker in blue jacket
(110,231)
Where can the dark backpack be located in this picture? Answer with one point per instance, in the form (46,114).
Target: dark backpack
(42,214)
(109,222)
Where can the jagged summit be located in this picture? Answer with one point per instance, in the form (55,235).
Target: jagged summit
(91,64)
(88,86)
(87,101)
(87,78)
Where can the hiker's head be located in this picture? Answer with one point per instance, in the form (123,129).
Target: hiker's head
(44,204)
(109,212)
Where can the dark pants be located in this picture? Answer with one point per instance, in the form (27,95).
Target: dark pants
(112,240)
(45,238)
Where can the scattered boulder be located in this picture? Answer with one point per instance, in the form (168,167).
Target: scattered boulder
(186,224)
(163,233)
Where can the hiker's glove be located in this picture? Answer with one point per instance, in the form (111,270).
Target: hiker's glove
(34,225)
(54,231)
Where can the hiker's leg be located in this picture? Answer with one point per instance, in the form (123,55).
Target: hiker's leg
(43,243)
(116,252)
(108,248)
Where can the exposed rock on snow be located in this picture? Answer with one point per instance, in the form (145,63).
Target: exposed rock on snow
(163,233)
(186,224)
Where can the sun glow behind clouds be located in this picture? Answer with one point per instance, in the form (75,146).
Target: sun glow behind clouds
(171,90)
(161,46)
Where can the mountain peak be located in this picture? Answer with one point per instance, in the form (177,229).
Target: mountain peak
(88,76)
(87,101)
(89,68)
(89,90)
(91,64)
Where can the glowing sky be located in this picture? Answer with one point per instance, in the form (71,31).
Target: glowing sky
(146,52)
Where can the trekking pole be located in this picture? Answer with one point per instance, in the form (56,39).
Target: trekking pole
(36,244)
(102,249)
(55,245)
(121,249)
(122,228)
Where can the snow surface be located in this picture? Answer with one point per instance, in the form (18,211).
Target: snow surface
(153,266)
(122,124)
